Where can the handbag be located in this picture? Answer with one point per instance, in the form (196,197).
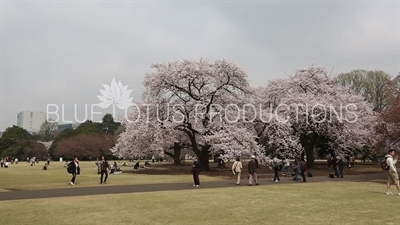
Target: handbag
(236,167)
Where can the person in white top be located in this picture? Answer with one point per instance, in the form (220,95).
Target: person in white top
(276,163)
(286,165)
(393,176)
(237,170)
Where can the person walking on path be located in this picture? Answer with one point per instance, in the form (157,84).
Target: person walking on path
(393,176)
(252,171)
(351,162)
(73,168)
(338,166)
(48,160)
(237,169)
(104,166)
(276,163)
(341,166)
(196,171)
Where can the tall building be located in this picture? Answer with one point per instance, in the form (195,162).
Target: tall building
(31,121)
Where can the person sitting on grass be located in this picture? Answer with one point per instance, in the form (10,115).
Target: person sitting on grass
(112,170)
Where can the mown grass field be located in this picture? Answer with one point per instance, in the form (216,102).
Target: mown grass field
(26,177)
(301,203)
(330,202)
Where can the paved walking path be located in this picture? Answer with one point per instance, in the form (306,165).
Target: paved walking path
(111,189)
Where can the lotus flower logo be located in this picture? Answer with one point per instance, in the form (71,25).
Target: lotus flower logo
(116,94)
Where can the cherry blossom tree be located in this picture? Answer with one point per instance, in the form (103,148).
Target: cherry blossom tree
(148,133)
(272,131)
(314,107)
(139,139)
(47,144)
(198,92)
(234,141)
(209,108)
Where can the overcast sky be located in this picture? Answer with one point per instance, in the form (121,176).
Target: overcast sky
(63,52)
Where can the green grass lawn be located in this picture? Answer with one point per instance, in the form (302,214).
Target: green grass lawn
(300,203)
(23,176)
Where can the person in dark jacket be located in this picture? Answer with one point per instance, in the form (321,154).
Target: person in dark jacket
(251,166)
(303,168)
(104,166)
(196,171)
(73,168)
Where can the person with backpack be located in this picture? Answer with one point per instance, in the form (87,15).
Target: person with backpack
(237,169)
(104,166)
(276,163)
(393,176)
(73,168)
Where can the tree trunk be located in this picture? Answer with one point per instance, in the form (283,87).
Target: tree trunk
(310,156)
(177,154)
(203,158)
(308,143)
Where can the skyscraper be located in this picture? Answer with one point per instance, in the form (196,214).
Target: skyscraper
(31,121)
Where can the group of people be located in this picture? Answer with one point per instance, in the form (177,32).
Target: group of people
(103,167)
(4,162)
(300,167)
(299,170)
(110,168)
(339,163)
